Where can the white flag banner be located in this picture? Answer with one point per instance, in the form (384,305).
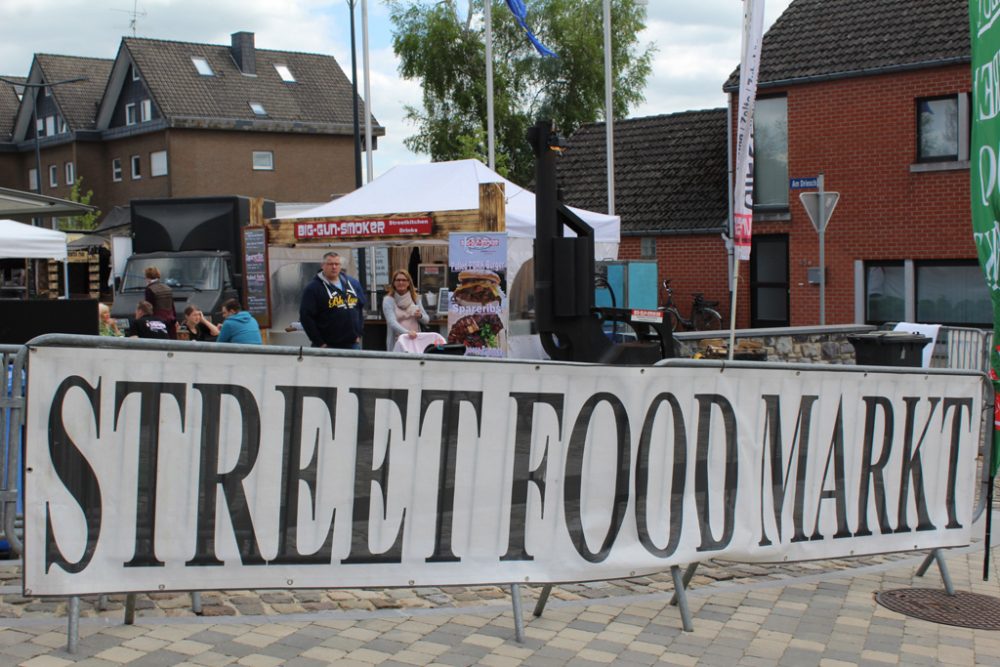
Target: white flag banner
(753,29)
(154,469)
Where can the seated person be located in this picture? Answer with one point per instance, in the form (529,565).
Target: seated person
(239,326)
(106,325)
(144,325)
(198,326)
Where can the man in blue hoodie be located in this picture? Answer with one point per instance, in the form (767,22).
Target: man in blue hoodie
(332,311)
(239,326)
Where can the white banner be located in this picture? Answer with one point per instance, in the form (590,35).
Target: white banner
(753,28)
(155,470)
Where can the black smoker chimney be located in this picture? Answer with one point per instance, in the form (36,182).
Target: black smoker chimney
(243,52)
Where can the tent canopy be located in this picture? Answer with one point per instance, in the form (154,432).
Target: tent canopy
(22,204)
(449,186)
(24,241)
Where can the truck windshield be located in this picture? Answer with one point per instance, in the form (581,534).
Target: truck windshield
(194,273)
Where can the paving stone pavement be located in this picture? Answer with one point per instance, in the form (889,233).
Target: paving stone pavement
(821,614)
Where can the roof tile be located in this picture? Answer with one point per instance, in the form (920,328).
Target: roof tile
(670,172)
(840,38)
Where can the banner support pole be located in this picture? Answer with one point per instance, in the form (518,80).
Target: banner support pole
(73,625)
(543,597)
(732,308)
(688,576)
(682,601)
(515,600)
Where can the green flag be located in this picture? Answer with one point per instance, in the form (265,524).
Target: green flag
(985,183)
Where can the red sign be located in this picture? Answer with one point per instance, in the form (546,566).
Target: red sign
(651,316)
(371,227)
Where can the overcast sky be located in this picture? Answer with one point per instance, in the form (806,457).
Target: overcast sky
(698,44)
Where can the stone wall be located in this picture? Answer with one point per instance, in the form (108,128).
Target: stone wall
(810,345)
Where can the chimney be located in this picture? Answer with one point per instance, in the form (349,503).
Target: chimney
(243,52)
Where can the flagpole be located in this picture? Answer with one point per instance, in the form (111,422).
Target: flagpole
(743,176)
(490,140)
(609,116)
(368,88)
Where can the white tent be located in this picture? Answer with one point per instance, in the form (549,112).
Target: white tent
(18,240)
(450,186)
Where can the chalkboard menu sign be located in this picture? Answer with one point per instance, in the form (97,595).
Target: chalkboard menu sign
(256,289)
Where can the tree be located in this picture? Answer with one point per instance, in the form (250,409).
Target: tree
(87,221)
(447,54)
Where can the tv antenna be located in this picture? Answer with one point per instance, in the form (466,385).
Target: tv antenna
(134,15)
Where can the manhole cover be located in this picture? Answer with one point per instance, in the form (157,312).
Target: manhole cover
(966,610)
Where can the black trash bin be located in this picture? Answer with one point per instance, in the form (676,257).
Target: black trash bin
(889,348)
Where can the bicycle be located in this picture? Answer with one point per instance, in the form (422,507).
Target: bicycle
(703,316)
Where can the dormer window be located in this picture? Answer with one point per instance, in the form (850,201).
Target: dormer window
(202,66)
(258,109)
(285,73)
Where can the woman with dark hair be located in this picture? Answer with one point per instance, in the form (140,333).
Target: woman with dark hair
(402,314)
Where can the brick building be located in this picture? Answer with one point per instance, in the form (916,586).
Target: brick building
(177,119)
(874,95)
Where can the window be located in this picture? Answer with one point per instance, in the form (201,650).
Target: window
(116,169)
(135,73)
(953,293)
(647,247)
(136,167)
(50,126)
(47,91)
(19,91)
(263,161)
(950,292)
(885,292)
(40,127)
(258,109)
(70,173)
(770,148)
(285,73)
(63,128)
(158,163)
(33,179)
(130,114)
(146,111)
(943,128)
(53,175)
(202,66)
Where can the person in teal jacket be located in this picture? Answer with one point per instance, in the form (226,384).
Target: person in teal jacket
(239,326)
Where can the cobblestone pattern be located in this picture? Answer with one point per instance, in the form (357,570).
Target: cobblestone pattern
(826,621)
(254,603)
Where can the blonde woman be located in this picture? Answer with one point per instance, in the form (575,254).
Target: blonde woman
(400,307)
(106,325)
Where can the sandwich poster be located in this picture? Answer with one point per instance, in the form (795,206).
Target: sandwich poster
(478,309)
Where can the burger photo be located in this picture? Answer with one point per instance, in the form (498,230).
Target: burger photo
(479,330)
(477,288)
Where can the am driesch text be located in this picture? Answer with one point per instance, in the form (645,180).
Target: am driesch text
(918,434)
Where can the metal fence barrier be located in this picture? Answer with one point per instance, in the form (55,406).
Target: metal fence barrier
(957,348)
(962,348)
(11,434)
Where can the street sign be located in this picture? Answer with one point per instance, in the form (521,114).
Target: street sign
(803,183)
(810,200)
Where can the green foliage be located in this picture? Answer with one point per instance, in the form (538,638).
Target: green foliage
(87,221)
(447,54)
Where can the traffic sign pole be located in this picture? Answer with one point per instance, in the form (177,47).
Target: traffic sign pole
(822,256)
